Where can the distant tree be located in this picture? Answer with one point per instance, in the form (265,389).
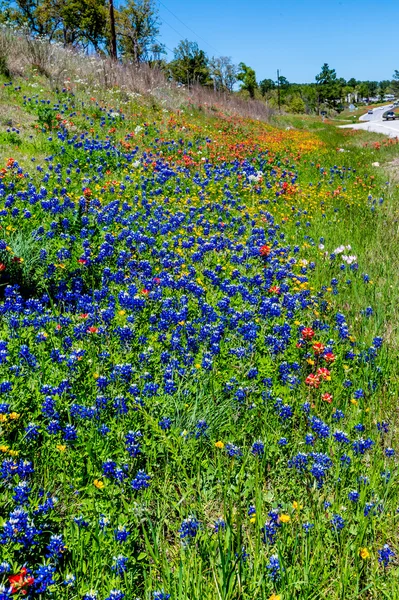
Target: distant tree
(247,76)
(266,86)
(190,64)
(137,29)
(395,83)
(352,82)
(223,73)
(328,87)
(283,82)
(296,105)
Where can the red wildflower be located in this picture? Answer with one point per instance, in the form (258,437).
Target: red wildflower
(329,357)
(20,582)
(10,162)
(327,397)
(92,329)
(2,267)
(145,291)
(84,315)
(157,280)
(307,333)
(16,259)
(318,348)
(274,289)
(264,250)
(87,192)
(312,380)
(82,261)
(324,373)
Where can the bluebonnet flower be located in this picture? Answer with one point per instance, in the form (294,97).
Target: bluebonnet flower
(43,577)
(337,523)
(32,431)
(354,496)
(119,564)
(389,452)
(161,595)
(121,534)
(69,580)
(91,595)
(165,423)
(385,554)
(361,445)
(258,448)
(232,450)
(201,429)
(5,567)
(132,444)
(383,427)
(115,595)
(307,527)
(70,433)
(219,525)
(56,547)
(189,528)
(274,567)
(282,441)
(141,481)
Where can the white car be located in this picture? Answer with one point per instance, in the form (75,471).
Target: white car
(369,112)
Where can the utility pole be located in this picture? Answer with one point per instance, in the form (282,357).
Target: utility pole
(114,53)
(278,90)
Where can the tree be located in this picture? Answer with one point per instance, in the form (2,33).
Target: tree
(395,83)
(248,78)
(329,89)
(266,86)
(223,73)
(74,22)
(190,64)
(296,105)
(137,29)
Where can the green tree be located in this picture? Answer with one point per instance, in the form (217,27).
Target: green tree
(137,30)
(247,76)
(296,105)
(74,22)
(395,83)
(266,86)
(328,88)
(190,64)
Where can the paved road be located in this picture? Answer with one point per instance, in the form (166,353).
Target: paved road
(375,123)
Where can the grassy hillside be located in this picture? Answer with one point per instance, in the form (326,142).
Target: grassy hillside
(198,380)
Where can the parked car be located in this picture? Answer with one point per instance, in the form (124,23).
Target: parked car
(390,115)
(369,112)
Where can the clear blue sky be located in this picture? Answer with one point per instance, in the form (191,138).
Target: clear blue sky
(357,38)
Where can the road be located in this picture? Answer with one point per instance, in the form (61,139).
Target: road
(375,123)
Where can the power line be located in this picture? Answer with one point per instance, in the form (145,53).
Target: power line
(189,28)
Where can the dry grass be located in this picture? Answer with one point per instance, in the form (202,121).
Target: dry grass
(68,68)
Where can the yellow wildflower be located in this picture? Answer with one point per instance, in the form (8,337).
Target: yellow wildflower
(61,447)
(98,484)
(219,445)
(285,518)
(364,553)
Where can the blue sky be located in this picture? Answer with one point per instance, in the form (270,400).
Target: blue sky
(357,38)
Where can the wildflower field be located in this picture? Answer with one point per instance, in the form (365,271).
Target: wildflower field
(198,354)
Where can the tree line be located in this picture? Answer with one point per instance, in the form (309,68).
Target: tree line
(131,33)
